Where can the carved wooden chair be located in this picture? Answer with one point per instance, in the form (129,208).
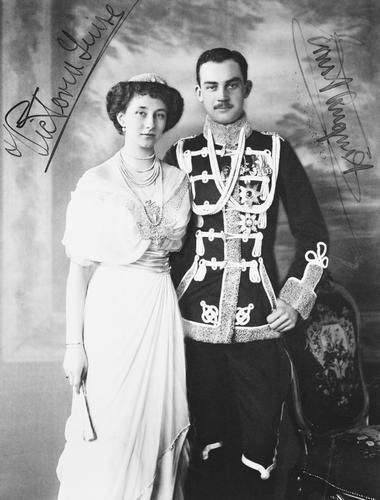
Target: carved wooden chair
(342,453)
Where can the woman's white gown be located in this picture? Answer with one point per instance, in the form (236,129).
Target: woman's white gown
(136,390)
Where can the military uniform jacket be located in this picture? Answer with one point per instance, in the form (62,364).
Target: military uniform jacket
(225,275)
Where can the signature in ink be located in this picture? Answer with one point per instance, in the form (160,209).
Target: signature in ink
(321,63)
(38,125)
(20,123)
(333,77)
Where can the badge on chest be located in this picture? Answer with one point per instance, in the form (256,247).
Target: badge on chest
(243,179)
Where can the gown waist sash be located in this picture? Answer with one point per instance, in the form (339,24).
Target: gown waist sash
(153,260)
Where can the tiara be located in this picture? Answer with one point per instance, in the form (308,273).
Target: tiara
(148,77)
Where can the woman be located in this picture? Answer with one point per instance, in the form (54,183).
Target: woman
(124,355)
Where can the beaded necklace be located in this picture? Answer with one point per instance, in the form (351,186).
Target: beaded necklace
(139,180)
(153,210)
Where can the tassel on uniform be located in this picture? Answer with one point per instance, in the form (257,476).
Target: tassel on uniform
(256,250)
(201,271)
(262,224)
(199,245)
(254,275)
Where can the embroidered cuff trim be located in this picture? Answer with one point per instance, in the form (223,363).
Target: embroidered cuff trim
(264,472)
(298,296)
(213,446)
(300,293)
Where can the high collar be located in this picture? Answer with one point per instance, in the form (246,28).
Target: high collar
(227,135)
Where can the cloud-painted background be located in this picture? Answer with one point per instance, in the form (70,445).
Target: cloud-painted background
(167,38)
(335,42)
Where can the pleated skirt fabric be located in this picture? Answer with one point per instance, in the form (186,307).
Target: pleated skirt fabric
(136,392)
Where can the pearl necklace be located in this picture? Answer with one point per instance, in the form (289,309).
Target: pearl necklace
(152,173)
(141,157)
(153,210)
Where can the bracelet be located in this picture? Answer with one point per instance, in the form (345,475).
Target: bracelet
(74,343)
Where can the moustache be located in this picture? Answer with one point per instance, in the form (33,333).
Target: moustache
(223,106)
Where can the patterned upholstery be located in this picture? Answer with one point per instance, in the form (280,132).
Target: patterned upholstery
(342,458)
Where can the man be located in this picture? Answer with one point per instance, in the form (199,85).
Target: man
(227,283)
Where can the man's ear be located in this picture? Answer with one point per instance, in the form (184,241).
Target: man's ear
(198,92)
(247,88)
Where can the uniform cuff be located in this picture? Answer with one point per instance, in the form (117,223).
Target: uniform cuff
(298,296)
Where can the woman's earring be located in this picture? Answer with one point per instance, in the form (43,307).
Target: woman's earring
(123,128)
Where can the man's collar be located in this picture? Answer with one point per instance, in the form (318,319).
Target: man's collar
(227,135)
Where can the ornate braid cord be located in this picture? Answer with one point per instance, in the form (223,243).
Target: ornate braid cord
(231,276)
(227,190)
(263,207)
(224,325)
(226,322)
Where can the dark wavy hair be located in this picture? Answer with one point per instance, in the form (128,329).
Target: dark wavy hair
(119,96)
(220,54)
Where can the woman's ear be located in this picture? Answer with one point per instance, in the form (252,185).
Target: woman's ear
(120,118)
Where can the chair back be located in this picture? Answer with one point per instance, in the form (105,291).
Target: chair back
(329,389)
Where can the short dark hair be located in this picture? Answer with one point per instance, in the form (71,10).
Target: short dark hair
(221,54)
(119,96)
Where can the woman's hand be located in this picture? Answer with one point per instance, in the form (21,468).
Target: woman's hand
(75,365)
(283,318)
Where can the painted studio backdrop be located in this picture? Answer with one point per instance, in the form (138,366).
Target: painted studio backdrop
(315,71)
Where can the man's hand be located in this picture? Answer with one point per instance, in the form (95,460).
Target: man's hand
(283,318)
